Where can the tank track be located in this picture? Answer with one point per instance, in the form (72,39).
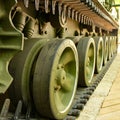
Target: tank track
(81,98)
(85,11)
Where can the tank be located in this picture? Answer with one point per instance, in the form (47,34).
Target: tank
(49,49)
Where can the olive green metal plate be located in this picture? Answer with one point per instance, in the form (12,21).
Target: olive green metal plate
(11,41)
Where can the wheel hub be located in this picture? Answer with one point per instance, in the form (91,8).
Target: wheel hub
(62,82)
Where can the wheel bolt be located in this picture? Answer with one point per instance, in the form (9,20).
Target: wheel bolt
(57,87)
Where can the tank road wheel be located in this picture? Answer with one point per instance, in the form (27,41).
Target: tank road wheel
(99,54)
(115,44)
(105,46)
(109,47)
(112,45)
(55,78)
(86,53)
(22,67)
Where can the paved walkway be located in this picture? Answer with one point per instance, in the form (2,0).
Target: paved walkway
(104,104)
(110,109)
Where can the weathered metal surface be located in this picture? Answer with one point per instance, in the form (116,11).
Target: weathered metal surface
(11,41)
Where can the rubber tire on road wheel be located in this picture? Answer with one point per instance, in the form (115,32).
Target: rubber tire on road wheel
(55,78)
(99,54)
(105,48)
(109,47)
(86,53)
(22,67)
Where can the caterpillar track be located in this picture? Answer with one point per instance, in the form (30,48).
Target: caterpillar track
(53,55)
(82,96)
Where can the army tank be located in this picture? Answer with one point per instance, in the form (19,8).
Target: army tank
(49,48)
